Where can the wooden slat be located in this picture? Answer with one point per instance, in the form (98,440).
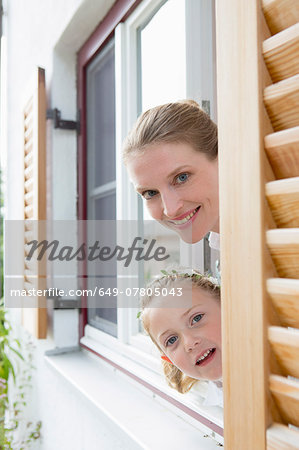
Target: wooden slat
(29,275)
(28,123)
(30,284)
(29,236)
(30,265)
(281,437)
(286,395)
(28,185)
(244,348)
(28,135)
(28,108)
(282,149)
(28,146)
(285,345)
(28,197)
(28,172)
(29,225)
(29,212)
(280,14)
(284,248)
(281,53)
(284,294)
(28,118)
(28,159)
(282,103)
(283,198)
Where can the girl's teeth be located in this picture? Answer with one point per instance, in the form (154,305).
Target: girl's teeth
(204,356)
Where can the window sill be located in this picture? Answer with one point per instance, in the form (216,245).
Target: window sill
(146,368)
(145,419)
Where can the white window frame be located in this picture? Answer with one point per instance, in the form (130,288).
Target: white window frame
(131,346)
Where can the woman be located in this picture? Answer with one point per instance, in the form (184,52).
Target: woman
(171,156)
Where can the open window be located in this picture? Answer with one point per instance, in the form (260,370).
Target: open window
(129,65)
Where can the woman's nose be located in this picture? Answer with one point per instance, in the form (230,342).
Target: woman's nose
(172,204)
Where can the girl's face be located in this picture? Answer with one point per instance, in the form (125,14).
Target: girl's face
(180,188)
(190,337)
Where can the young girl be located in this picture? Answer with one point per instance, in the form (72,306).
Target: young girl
(183,319)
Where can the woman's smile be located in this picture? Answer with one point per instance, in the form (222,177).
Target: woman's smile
(185,218)
(179,186)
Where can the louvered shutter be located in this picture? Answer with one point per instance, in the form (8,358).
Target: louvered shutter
(258,112)
(34,119)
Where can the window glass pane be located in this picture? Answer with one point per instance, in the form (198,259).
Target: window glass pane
(105,207)
(101,201)
(162,71)
(162,44)
(101,118)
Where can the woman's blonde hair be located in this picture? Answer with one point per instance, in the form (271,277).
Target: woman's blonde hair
(174,376)
(181,121)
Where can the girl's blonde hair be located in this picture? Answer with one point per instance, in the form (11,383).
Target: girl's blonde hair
(181,121)
(174,376)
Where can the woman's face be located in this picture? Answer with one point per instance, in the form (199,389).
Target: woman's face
(180,188)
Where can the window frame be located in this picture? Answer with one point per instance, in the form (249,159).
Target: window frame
(122,22)
(119,12)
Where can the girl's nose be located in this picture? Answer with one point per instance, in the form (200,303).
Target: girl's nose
(172,204)
(190,342)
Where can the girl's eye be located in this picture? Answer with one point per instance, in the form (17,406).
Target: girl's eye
(197,318)
(149,194)
(182,178)
(171,340)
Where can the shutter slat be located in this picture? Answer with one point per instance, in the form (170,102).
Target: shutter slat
(28,147)
(28,135)
(280,437)
(281,53)
(282,149)
(280,14)
(28,108)
(284,248)
(286,395)
(283,199)
(282,103)
(285,345)
(30,275)
(284,294)
(28,172)
(29,198)
(28,159)
(29,236)
(29,212)
(28,123)
(28,185)
(30,265)
(29,285)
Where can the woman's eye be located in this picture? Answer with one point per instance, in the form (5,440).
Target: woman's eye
(197,318)
(149,194)
(182,178)
(171,340)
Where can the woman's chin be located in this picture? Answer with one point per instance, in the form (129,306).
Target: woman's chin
(192,237)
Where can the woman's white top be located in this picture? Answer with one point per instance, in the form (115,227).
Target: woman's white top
(214,240)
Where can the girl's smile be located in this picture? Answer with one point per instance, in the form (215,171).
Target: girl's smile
(180,187)
(189,337)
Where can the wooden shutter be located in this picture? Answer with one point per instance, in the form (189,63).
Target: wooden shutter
(34,119)
(258,115)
